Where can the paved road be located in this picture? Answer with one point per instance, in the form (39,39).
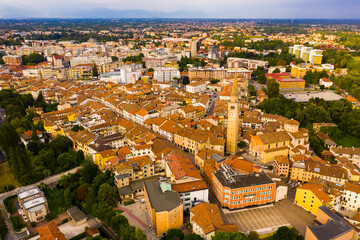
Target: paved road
(210,111)
(257,85)
(50,180)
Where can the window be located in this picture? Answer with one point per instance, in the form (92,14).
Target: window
(232,107)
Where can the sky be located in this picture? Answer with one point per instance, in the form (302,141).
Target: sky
(212,8)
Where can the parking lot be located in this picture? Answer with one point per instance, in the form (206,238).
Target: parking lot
(306,96)
(262,219)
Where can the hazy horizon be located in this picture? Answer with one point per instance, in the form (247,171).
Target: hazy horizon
(261,9)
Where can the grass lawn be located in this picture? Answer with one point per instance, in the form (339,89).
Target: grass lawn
(10,204)
(348,141)
(17,223)
(6,177)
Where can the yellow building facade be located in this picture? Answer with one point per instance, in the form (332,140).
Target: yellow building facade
(311,197)
(164,206)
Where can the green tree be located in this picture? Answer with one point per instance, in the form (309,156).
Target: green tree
(253,235)
(284,233)
(322,87)
(214,81)
(33,59)
(261,78)
(127,232)
(252,90)
(40,98)
(61,144)
(272,88)
(3,227)
(65,161)
(100,210)
(114,58)
(229,236)
(95,72)
(89,171)
(90,200)
(193,236)
(81,193)
(107,194)
(174,234)
(68,197)
(19,163)
(117,221)
(242,144)
(140,235)
(185,80)
(8,137)
(77,128)
(276,70)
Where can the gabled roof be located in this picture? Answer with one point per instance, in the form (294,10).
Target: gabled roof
(208,217)
(50,232)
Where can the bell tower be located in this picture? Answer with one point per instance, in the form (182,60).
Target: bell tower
(233,119)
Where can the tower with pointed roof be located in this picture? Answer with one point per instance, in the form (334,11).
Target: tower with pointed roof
(233,119)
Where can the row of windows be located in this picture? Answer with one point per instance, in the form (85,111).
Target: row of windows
(265,193)
(260,194)
(251,200)
(249,190)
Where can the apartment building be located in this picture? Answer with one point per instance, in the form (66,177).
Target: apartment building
(186,180)
(351,153)
(193,140)
(251,64)
(308,54)
(163,205)
(12,60)
(312,196)
(166,74)
(332,226)
(286,80)
(75,61)
(217,73)
(196,87)
(234,190)
(305,171)
(130,175)
(33,202)
(281,166)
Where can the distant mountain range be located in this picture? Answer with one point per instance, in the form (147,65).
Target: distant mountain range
(23,13)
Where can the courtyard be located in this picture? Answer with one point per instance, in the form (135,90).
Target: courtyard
(264,219)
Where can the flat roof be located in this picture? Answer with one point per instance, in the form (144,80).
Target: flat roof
(333,228)
(37,208)
(34,202)
(76,214)
(28,192)
(161,201)
(243,180)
